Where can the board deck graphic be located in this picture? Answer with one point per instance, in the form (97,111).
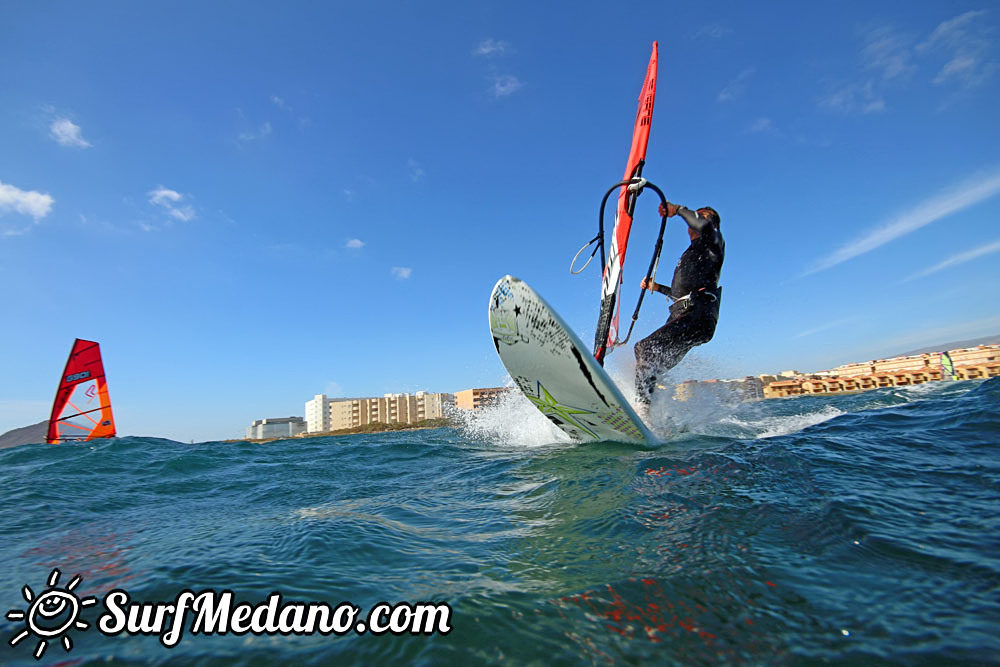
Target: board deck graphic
(556,372)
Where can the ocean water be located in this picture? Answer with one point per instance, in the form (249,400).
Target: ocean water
(854,529)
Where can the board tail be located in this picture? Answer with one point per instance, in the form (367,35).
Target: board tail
(82,407)
(607,323)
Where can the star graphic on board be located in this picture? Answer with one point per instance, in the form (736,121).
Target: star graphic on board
(551,408)
(517,310)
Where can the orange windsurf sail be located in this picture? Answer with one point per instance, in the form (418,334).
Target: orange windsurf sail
(82,409)
(607,324)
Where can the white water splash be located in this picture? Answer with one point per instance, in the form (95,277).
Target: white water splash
(713,409)
(769,427)
(510,420)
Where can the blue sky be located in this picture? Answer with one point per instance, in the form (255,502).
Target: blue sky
(248,204)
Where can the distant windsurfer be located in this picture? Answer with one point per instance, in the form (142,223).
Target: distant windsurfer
(695,295)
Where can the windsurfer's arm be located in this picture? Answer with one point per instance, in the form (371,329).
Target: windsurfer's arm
(694,221)
(654,286)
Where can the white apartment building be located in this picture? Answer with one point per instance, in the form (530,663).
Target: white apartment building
(318,414)
(333,414)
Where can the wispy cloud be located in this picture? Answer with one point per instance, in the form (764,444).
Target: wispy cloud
(172,202)
(735,88)
(505,84)
(826,327)
(886,52)
(416,171)
(491,47)
(25,202)
(885,56)
(67,133)
(402,272)
(280,103)
(969,45)
(712,31)
(764,126)
(354,243)
(262,131)
(862,97)
(501,85)
(955,260)
(962,52)
(928,211)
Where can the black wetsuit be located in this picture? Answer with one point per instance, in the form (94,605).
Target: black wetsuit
(695,310)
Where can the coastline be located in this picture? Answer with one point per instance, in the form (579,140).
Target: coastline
(375,427)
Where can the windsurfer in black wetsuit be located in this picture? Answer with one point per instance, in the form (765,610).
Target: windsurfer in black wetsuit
(696,296)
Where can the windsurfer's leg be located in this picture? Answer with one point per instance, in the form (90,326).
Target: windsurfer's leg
(656,354)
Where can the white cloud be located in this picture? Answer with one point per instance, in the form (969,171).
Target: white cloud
(416,171)
(502,84)
(960,258)
(713,31)
(490,47)
(262,131)
(886,52)
(928,211)
(172,202)
(962,51)
(402,272)
(280,103)
(505,85)
(855,98)
(968,44)
(68,133)
(764,126)
(25,202)
(355,243)
(736,87)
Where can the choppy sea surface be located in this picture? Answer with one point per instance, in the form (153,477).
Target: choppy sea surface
(849,529)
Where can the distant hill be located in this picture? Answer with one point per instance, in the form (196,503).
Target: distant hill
(972,342)
(25,435)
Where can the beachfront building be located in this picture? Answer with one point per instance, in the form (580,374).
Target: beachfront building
(475,399)
(318,414)
(333,414)
(281,427)
(971,363)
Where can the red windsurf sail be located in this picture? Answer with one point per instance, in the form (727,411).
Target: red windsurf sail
(607,323)
(82,409)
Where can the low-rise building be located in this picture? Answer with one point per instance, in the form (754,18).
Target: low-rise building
(475,399)
(282,427)
(333,414)
(970,364)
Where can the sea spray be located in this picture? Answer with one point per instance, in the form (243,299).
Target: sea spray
(509,420)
